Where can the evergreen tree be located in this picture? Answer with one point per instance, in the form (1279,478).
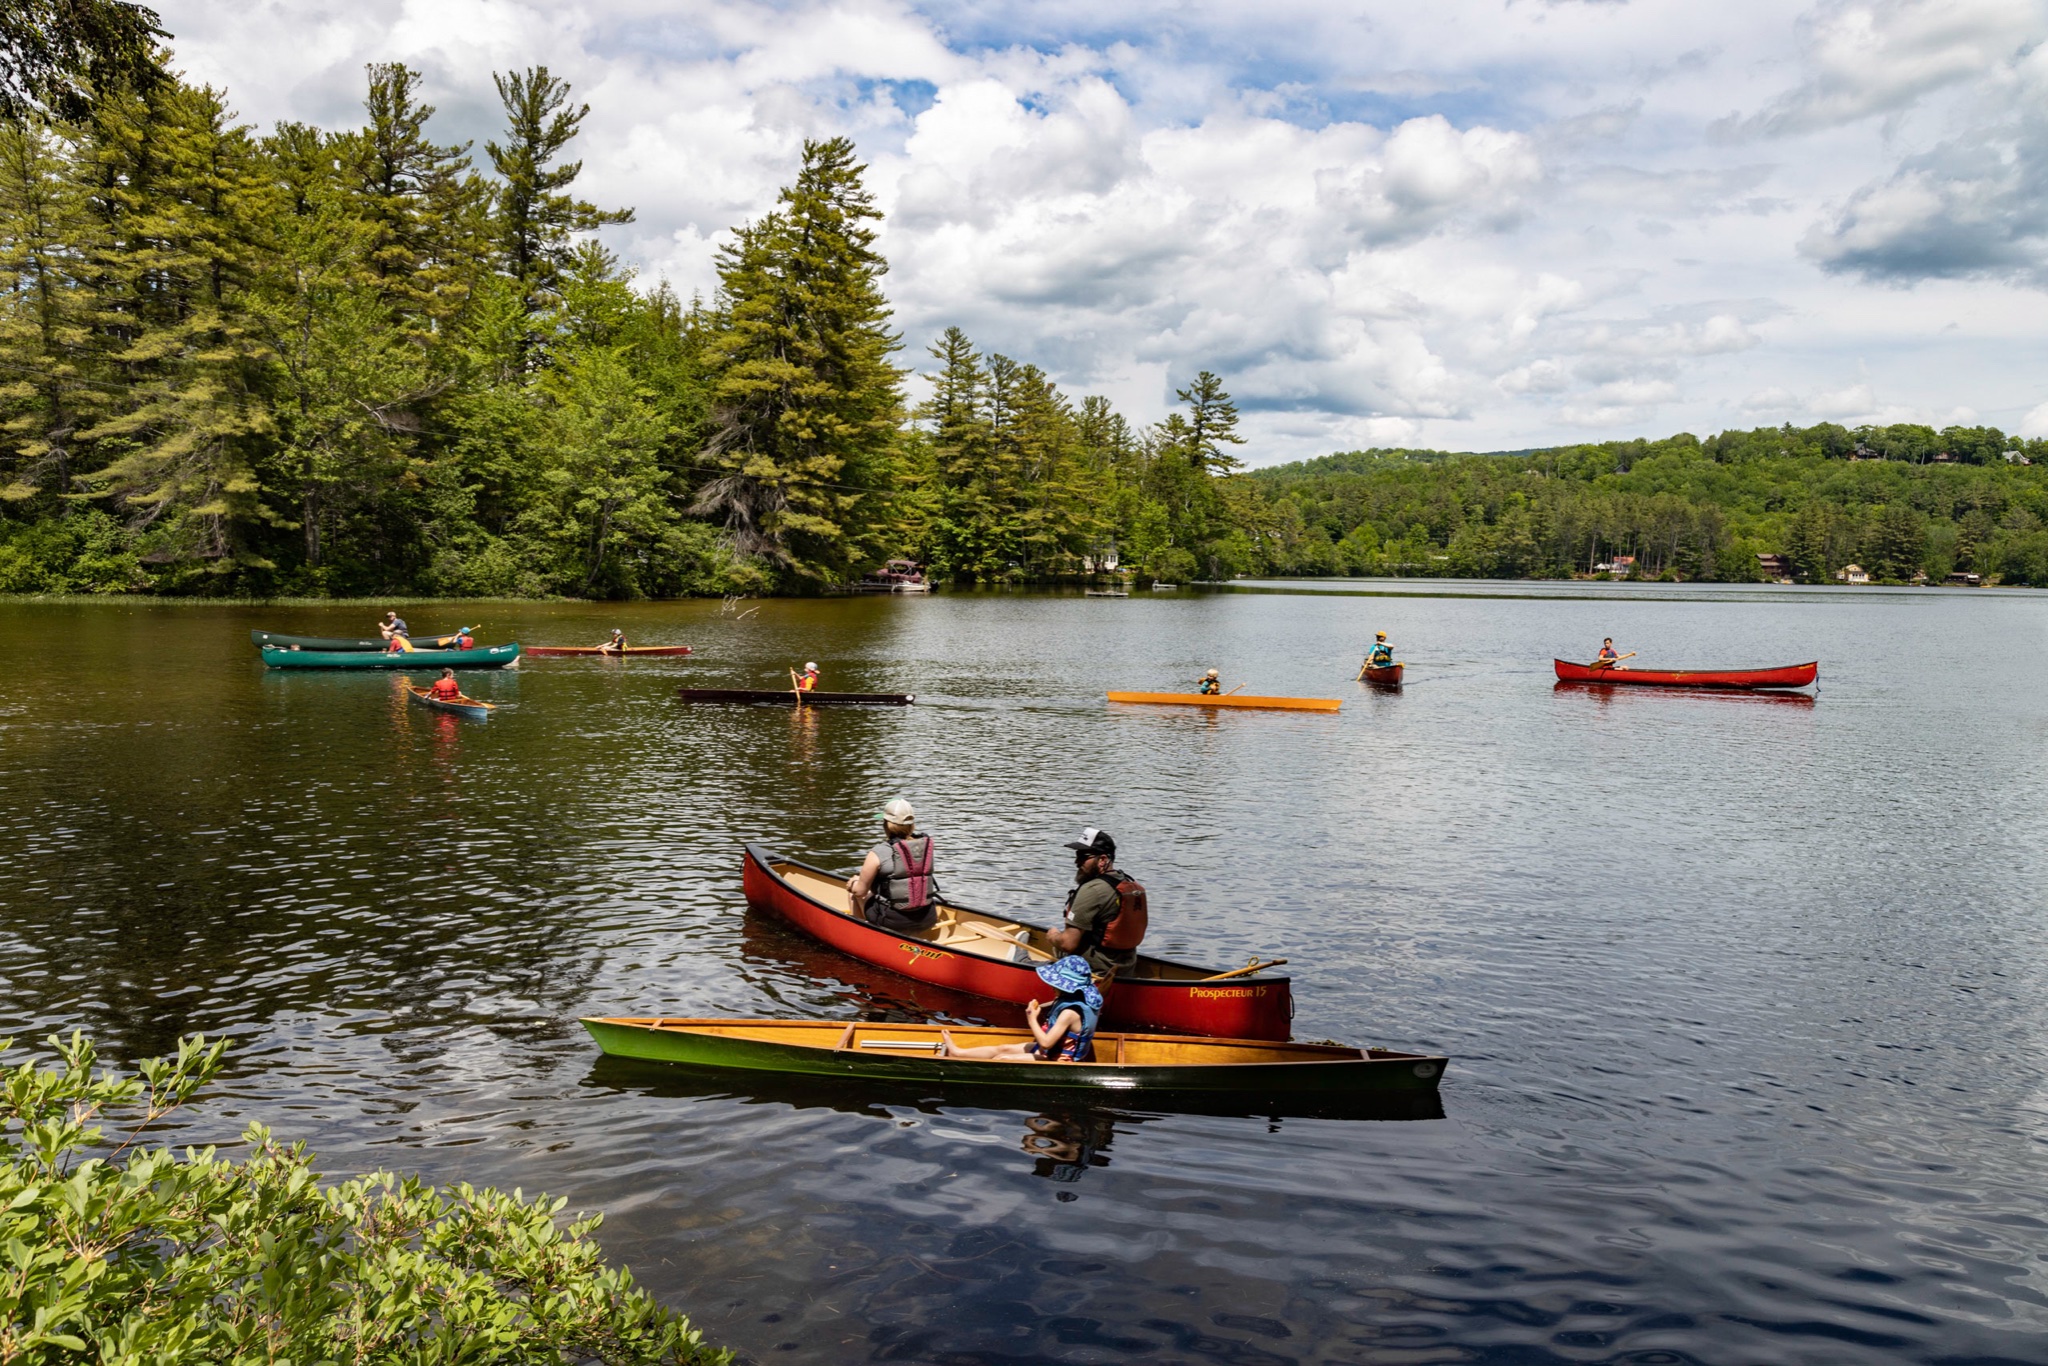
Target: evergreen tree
(190,208)
(58,56)
(1212,425)
(538,218)
(805,402)
(49,384)
(420,199)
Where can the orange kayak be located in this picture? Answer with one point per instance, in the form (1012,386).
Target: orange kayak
(1195,699)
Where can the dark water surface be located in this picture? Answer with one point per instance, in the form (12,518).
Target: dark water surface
(1747,998)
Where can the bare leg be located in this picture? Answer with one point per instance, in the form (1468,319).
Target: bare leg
(994,1052)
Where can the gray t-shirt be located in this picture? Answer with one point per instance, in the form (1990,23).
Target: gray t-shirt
(1094,905)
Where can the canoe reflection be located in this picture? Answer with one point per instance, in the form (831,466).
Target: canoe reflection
(1608,694)
(1065,1144)
(873,1096)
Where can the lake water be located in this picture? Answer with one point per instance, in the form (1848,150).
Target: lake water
(1747,998)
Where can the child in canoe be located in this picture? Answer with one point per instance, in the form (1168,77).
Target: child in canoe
(445,687)
(1069,1037)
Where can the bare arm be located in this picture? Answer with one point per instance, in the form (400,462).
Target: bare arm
(1048,1036)
(1067,940)
(857,886)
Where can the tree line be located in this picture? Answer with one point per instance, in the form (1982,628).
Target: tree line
(367,361)
(1901,501)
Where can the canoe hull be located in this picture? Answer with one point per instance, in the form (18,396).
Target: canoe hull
(490,657)
(1790,676)
(1191,699)
(787,697)
(1256,1006)
(1246,1070)
(630,652)
(466,706)
(1388,677)
(345,644)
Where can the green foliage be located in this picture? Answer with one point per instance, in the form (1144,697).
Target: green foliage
(54,54)
(805,402)
(122,1254)
(1900,501)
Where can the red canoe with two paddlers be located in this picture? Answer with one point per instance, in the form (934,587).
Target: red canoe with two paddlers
(997,957)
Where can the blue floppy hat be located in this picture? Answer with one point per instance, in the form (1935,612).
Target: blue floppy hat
(1072,976)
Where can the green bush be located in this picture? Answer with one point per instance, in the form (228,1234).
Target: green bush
(118,1254)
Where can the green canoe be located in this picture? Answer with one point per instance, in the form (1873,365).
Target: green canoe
(489,657)
(1142,1066)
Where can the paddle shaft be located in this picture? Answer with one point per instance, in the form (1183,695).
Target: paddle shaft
(1233,690)
(796,688)
(1610,663)
(1247,968)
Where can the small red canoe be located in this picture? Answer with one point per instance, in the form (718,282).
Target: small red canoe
(996,957)
(1385,676)
(635,650)
(1790,676)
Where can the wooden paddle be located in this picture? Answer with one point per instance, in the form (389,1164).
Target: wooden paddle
(1233,690)
(1610,663)
(1253,966)
(796,688)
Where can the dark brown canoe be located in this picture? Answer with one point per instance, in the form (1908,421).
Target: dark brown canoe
(786,697)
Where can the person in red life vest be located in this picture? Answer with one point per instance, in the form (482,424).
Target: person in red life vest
(399,646)
(808,682)
(617,644)
(894,888)
(1098,902)
(465,641)
(445,687)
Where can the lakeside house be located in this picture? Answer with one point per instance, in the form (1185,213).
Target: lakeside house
(1854,573)
(1777,569)
(1960,579)
(1622,566)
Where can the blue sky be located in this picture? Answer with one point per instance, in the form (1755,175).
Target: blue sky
(1463,225)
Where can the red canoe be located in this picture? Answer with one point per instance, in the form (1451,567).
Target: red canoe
(992,956)
(634,650)
(1790,676)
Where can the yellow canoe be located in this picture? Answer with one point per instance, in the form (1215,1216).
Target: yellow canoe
(1195,699)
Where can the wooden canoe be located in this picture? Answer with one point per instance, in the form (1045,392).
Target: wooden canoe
(486,657)
(638,651)
(997,957)
(340,643)
(1195,699)
(461,706)
(1143,1066)
(1789,676)
(786,697)
(1386,676)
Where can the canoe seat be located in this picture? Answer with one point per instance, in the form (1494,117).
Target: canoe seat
(975,937)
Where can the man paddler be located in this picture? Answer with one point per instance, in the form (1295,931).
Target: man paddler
(392,625)
(1094,905)
(1606,659)
(617,644)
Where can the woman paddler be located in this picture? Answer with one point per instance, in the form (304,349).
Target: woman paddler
(1068,1035)
(894,888)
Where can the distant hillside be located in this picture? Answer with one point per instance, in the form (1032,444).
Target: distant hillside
(1901,501)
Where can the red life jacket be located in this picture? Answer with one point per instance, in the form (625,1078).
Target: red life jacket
(465,642)
(1126,930)
(447,688)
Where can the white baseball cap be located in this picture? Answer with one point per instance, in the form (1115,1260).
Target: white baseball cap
(810,664)
(899,812)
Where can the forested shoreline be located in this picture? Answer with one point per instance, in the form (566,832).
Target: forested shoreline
(357,362)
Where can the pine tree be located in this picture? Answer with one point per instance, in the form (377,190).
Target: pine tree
(538,218)
(1212,425)
(49,384)
(188,208)
(805,401)
(421,199)
(59,57)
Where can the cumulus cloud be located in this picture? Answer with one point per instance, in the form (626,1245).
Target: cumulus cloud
(1866,58)
(1381,227)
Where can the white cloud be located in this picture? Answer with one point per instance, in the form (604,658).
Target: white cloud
(1456,225)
